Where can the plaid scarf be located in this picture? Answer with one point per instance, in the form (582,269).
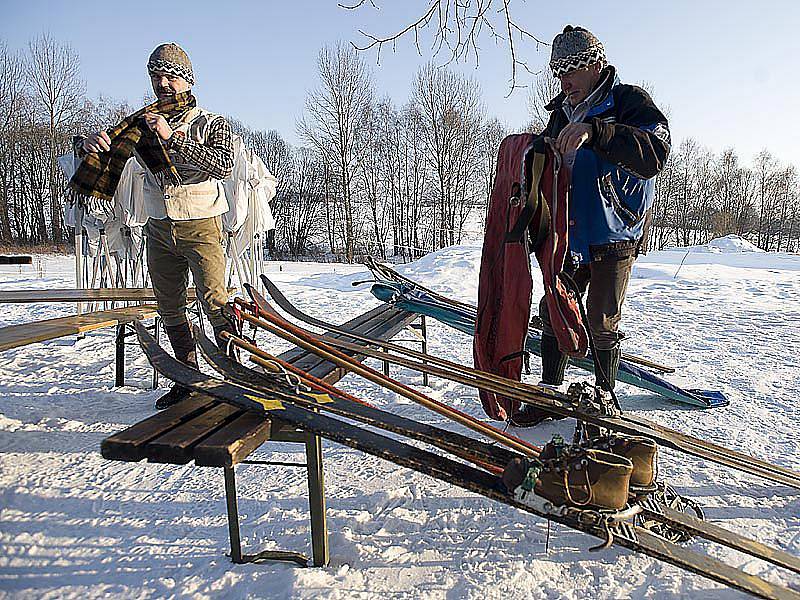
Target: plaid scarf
(99,173)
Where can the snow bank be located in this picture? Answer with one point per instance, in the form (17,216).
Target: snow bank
(730,244)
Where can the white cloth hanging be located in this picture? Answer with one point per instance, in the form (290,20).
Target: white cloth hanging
(249,189)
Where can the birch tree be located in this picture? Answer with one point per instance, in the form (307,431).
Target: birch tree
(337,119)
(53,75)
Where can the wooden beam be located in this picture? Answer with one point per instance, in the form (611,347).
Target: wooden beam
(29,296)
(15,336)
(129,444)
(15,260)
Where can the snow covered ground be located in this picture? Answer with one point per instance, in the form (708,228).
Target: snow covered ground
(75,525)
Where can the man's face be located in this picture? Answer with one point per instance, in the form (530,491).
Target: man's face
(579,83)
(165,85)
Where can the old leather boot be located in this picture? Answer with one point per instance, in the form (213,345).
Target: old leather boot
(182,342)
(177,393)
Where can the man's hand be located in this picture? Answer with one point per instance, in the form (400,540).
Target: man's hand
(158,125)
(573,136)
(97,142)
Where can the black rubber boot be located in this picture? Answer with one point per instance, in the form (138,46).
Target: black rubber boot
(553,364)
(177,393)
(608,361)
(553,361)
(182,342)
(222,343)
(183,345)
(530,416)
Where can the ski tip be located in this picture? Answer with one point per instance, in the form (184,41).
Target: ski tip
(711,398)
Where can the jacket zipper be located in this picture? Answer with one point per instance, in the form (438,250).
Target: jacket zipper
(623,212)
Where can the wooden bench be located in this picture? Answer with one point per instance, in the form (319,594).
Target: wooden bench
(29,296)
(15,336)
(23,334)
(23,259)
(216,434)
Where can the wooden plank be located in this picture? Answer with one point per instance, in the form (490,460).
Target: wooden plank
(389,327)
(234,442)
(374,326)
(176,445)
(217,434)
(15,336)
(355,323)
(86,295)
(129,444)
(386,329)
(15,259)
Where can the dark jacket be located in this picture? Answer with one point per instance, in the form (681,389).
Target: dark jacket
(613,176)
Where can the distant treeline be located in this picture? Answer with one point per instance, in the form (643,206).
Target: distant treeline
(372,176)
(700,196)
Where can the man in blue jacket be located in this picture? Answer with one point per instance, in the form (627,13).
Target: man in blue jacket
(616,141)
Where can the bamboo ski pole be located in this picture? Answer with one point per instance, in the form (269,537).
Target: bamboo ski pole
(288,331)
(270,362)
(551,400)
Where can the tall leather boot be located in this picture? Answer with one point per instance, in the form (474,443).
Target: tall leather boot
(183,345)
(608,361)
(553,364)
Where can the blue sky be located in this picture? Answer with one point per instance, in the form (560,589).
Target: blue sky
(726,71)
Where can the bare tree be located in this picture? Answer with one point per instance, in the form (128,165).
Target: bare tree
(103,113)
(53,74)
(337,112)
(765,169)
(492,136)
(452,118)
(299,214)
(457,26)
(410,216)
(376,174)
(543,89)
(11,87)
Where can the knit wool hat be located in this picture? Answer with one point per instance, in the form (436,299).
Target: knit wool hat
(172,60)
(575,48)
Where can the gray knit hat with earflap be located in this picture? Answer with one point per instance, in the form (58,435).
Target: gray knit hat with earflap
(172,60)
(575,48)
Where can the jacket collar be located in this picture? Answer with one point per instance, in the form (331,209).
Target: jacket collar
(608,79)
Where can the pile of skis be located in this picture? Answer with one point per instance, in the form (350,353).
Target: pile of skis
(404,293)
(602,484)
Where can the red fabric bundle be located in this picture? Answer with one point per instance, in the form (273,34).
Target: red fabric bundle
(505,285)
(524,162)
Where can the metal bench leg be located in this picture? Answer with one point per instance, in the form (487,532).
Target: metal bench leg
(424,346)
(233,531)
(157,335)
(119,379)
(233,515)
(316,501)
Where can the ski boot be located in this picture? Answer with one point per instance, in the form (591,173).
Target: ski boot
(553,364)
(182,342)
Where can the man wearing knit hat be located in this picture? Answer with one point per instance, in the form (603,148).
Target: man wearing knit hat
(615,140)
(184,202)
